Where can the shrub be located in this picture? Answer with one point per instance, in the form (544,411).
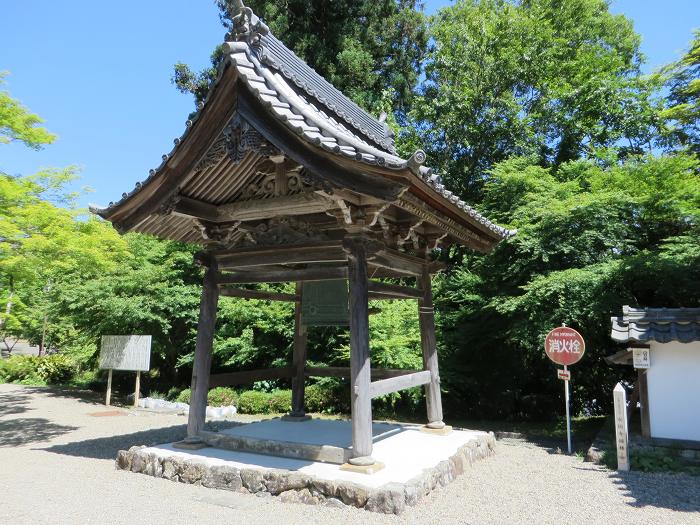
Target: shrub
(185,396)
(56,368)
(280,401)
(173,393)
(222,396)
(254,402)
(19,368)
(328,396)
(89,379)
(29,369)
(156,394)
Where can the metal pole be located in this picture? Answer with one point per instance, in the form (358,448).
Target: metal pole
(568,417)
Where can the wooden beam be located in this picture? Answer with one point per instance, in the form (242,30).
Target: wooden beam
(344,371)
(397,261)
(187,207)
(300,204)
(203,351)
(644,401)
(257,294)
(298,357)
(426,320)
(323,252)
(394,290)
(283,276)
(360,400)
(402,382)
(250,376)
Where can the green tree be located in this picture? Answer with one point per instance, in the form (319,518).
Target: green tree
(364,48)
(552,79)
(43,247)
(590,239)
(17,123)
(682,111)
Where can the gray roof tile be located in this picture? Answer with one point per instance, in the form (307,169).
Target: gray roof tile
(662,325)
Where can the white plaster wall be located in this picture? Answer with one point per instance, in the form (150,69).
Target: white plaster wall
(674,390)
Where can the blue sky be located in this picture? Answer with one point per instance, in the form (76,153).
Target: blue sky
(98,73)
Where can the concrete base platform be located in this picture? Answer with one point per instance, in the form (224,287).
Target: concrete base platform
(415,463)
(324,440)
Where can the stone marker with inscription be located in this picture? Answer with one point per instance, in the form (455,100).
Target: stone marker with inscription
(621,435)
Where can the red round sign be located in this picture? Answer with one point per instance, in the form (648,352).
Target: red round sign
(564,346)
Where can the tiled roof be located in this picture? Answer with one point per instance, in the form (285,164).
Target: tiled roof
(315,110)
(662,325)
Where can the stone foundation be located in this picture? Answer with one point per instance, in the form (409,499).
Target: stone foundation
(291,486)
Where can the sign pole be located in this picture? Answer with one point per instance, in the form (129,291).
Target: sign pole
(568,417)
(109,387)
(138,387)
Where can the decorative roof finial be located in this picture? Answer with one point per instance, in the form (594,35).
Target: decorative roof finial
(246,26)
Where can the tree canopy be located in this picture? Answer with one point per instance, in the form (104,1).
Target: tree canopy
(543,78)
(17,123)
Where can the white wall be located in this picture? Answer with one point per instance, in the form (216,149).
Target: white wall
(674,390)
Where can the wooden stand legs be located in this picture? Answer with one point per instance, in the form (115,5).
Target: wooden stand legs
(359,354)
(108,399)
(426,313)
(202,353)
(298,359)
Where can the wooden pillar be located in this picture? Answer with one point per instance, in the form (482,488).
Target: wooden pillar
(644,402)
(298,358)
(426,315)
(202,352)
(361,401)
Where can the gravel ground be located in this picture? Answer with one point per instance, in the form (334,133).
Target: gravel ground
(57,466)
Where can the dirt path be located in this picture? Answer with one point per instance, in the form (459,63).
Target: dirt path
(57,466)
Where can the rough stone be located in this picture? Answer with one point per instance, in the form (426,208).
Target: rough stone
(153,466)
(192,472)
(252,480)
(352,494)
(327,487)
(300,496)
(138,463)
(333,503)
(172,467)
(281,481)
(389,499)
(124,460)
(222,477)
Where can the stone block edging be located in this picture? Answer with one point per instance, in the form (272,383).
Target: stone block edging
(292,486)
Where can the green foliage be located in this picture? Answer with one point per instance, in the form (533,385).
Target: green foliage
(222,397)
(682,111)
(590,238)
(50,369)
(254,402)
(540,77)
(328,395)
(257,402)
(280,401)
(17,123)
(185,396)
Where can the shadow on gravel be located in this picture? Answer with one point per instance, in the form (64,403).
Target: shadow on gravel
(87,396)
(680,492)
(24,430)
(107,447)
(13,403)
